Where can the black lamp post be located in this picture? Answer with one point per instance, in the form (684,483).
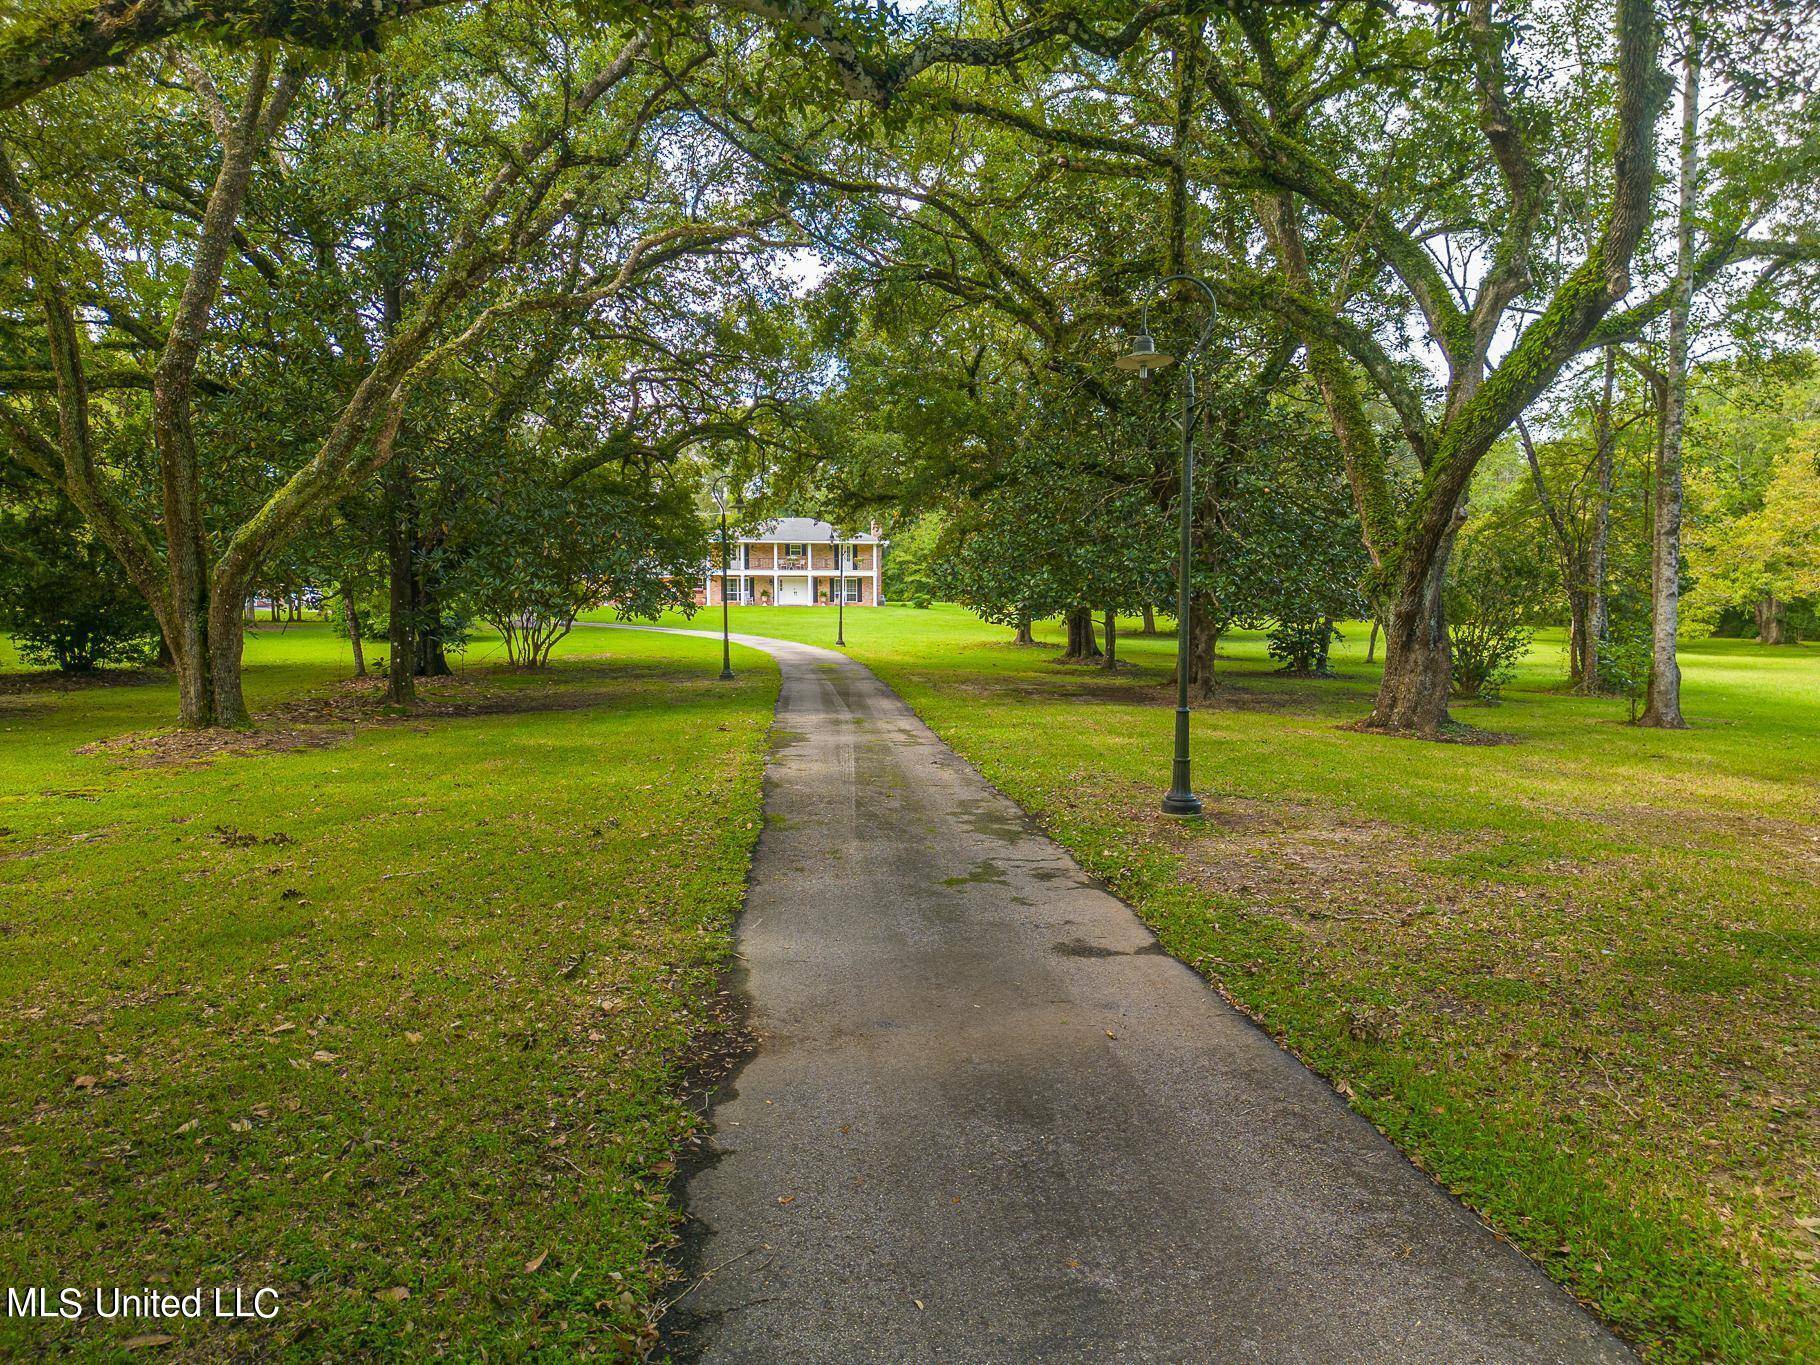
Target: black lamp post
(1143,358)
(719,490)
(840,589)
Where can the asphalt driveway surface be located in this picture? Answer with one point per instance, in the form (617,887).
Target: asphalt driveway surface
(988,1119)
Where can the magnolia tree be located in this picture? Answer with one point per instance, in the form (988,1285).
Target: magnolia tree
(1048,542)
(544,552)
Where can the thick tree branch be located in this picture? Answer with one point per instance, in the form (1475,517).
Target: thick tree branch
(1288,165)
(76,36)
(877,76)
(1526,185)
(71,37)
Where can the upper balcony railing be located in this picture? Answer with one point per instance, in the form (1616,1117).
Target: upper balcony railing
(859,565)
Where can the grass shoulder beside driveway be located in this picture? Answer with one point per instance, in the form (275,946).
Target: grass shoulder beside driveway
(391,1019)
(1573,976)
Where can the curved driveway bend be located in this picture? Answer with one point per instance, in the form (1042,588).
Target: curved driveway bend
(988,1119)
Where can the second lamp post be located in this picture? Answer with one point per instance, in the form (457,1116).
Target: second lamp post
(1143,358)
(719,489)
(840,589)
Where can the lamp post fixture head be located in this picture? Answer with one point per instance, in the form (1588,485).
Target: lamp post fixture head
(1144,356)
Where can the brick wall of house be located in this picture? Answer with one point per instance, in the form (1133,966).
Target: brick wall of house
(825,589)
(823,556)
(712,598)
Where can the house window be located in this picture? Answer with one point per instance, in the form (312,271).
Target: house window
(794,551)
(853,586)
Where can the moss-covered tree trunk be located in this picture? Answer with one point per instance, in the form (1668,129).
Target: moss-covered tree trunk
(1203,638)
(350,616)
(1662,709)
(227,644)
(207,634)
(432,659)
(1083,641)
(401,521)
(401,605)
(195,684)
(1772,621)
(1579,635)
(1598,614)
(1418,661)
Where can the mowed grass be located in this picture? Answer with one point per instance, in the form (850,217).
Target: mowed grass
(395,1025)
(1573,976)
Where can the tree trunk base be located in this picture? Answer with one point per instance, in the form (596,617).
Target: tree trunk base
(1440,732)
(1083,640)
(1450,732)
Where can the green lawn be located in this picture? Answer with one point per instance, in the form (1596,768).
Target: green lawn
(1573,976)
(402,1008)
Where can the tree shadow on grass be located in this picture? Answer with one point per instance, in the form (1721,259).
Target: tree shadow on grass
(49,680)
(1265,691)
(333,715)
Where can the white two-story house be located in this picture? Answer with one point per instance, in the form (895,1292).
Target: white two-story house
(791,562)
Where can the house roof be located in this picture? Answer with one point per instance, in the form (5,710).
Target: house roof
(795,530)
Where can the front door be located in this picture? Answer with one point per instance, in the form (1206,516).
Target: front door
(793,592)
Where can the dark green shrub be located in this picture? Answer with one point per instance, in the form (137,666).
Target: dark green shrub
(1302,646)
(1625,658)
(1497,584)
(1486,649)
(64,599)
